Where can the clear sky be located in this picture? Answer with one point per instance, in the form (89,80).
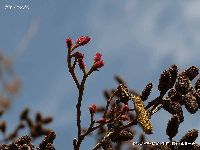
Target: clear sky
(138,40)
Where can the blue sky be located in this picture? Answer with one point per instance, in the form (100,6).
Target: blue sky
(138,40)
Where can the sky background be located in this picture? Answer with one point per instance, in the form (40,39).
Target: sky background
(138,40)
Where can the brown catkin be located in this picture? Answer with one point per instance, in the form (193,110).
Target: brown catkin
(174,73)
(197,95)
(11,146)
(172,126)
(47,139)
(164,82)
(23,147)
(192,72)
(190,136)
(168,79)
(22,143)
(23,140)
(124,135)
(190,103)
(183,84)
(50,146)
(146,92)
(197,84)
(123,93)
(173,108)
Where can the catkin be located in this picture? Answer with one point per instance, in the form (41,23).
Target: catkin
(124,135)
(173,108)
(174,73)
(197,84)
(23,140)
(142,115)
(183,84)
(167,79)
(190,136)
(191,72)
(172,126)
(123,93)
(190,103)
(197,95)
(146,92)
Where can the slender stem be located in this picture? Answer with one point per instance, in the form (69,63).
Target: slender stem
(90,127)
(71,68)
(78,109)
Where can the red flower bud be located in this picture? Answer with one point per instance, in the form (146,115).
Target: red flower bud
(101,120)
(82,40)
(92,108)
(97,57)
(99,64)
(69,42)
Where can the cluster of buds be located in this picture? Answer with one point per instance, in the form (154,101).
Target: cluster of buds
(36,128)
(181,93)
(83,40)
(25,143)
(47,143)
(79,57)
(75,57)
(98,62)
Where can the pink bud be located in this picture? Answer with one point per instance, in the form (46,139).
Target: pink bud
(99,64)
(82,40)
(97,57)
(92,108)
